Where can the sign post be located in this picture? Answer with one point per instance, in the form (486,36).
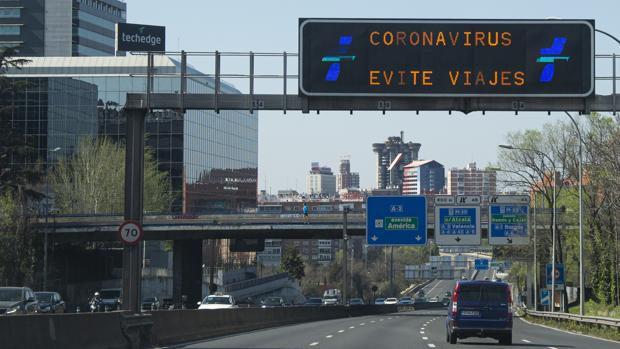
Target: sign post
(457,222)
(509,220)
(396,220)
(558,274)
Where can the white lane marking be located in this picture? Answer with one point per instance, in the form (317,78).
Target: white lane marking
(430,345)
(425,338)
(552,347)
(568,332)
(431,290)
(389,318)
(351,327)
(329,336)
(362,324)
(421,332)
(340,331)
(372,321)
(526,341)
(314,343)
(380,319)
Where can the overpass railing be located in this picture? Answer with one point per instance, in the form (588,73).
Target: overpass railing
(587,320)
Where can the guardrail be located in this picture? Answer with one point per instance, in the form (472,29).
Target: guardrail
(590,320)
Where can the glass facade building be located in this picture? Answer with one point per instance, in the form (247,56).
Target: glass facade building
(60,27)
(211,159)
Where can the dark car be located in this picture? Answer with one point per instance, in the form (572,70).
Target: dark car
(151,303)
(314,302)
(50,302)
(111,298)
(405,301)
(480,309)
(356,301)
(18,300)
(273,302)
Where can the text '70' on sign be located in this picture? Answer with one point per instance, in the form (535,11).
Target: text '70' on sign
(130,233)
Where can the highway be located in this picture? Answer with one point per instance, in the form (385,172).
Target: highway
(407,330)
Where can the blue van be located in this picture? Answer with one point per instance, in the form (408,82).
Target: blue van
(480,309)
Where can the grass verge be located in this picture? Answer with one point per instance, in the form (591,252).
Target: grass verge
(596,309)
(590,330)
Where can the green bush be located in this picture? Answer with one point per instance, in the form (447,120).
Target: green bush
(597,309)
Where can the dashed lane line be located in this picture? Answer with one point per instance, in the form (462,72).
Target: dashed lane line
(430,345)
(372,321)
(340,331)
(329,336)
(552,347)
(363,324)
(421,332)
(351,327)
(425,338)
(314,343)
(525,341)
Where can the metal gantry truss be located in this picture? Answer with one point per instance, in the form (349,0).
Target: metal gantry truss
(218,100)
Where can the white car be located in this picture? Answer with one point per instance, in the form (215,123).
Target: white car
(218,302)
(390,301)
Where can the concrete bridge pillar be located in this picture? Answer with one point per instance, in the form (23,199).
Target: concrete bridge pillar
(187,273)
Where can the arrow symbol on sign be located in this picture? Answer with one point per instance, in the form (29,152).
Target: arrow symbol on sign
(374,238)
(418,238)
(509,240)
(458,239)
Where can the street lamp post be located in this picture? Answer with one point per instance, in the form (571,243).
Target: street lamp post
(510,147)
(581,276)
(47,213)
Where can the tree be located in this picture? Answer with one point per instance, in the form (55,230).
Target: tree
(293,264)
(92,181)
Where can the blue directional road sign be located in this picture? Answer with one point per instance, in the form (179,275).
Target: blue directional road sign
(396,220)
(457,225)
(481,264)
(544,296)
(509,220)
(559,276)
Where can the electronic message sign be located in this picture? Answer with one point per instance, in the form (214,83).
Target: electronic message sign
(446,58)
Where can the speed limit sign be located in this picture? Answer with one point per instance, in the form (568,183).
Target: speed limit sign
(130,232)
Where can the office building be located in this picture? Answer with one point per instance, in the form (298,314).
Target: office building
(423,177)
(320,181)
(211,159)
(60,27)
(472,181)
(345,178)
(392,156)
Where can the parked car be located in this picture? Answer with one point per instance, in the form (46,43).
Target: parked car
(111,299)
(434,299)
(50,302)
(313,302)
(273,302)
(390,300)
(18,300)
(405,301)
(217,302)
(480,309)
(356,301)
(246,303)
(379,301)
(151,303)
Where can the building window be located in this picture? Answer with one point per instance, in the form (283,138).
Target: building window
(7,12)
(10,29)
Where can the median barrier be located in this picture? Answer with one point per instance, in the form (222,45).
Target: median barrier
(62,331)
(189,325)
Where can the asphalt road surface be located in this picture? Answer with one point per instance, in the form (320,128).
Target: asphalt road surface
(411,330)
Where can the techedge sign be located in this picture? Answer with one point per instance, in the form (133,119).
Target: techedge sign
(446,58)
(140,37)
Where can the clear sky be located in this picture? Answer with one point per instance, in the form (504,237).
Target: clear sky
(288,143)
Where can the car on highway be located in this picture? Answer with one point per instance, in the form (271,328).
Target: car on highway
(111,298)
(223,301)
(405,301)
(273,302)
(50,302)
(18,300)
(480,309)
(151,303)
(356,301)
(380,301)
(331,300)
(391,300)
(314,302)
